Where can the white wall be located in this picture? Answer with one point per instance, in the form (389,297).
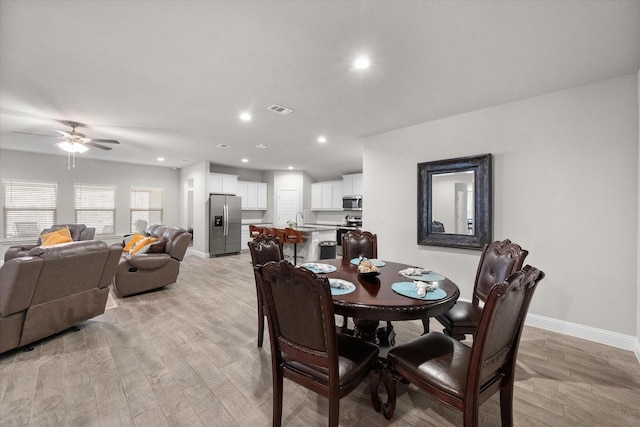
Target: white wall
(196,177)
(565,180)
(42,167)
(637,349)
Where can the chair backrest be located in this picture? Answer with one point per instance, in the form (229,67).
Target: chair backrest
(498,260)
(300,314)
(356,243)
(293,236)
(78,232)
(255,231)
(265,248)
(495,345)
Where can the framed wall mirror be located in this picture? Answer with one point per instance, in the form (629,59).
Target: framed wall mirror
(454,202)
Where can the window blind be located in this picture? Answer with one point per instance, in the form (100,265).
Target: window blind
(146,207)
(28,207)
(95,206)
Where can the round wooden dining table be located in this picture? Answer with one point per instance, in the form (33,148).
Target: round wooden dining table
(374,300)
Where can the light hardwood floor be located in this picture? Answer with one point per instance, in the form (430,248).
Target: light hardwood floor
(186,355)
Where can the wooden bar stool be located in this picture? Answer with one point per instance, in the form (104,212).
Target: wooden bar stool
(294,237)
(255,231)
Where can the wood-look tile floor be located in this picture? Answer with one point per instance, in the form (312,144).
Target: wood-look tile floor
(186,355)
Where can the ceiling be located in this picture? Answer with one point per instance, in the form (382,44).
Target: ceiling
(170,78)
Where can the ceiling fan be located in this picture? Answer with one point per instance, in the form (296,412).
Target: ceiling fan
(75,142)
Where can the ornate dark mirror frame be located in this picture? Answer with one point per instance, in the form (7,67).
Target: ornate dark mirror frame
(481,165)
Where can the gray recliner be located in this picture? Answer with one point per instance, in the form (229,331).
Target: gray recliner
(79,232)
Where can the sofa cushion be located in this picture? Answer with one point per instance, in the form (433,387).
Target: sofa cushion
(142,246)
(131,240)
(158,247)
(60,235)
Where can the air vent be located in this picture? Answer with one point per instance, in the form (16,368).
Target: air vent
(280,109)
(223,146)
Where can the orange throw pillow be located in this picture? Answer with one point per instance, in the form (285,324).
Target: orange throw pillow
(143,245)
(61,235)
(132,241)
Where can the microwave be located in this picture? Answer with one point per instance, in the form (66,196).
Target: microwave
(352,203)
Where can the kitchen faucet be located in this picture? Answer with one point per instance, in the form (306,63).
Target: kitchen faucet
(301,217)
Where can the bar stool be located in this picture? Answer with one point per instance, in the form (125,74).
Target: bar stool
(294,237)
(255,231)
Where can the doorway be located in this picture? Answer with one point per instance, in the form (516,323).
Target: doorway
(288,207)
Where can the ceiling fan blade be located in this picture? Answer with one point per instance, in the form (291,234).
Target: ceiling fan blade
(36,134)
(105,141)
(93,144)
(63,133)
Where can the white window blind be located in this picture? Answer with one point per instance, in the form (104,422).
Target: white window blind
(28,207)
(146,207)
(96,207)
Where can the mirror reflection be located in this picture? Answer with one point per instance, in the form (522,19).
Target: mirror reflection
(453,202)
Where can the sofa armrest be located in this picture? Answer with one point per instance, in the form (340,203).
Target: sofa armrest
(18,279)
(147,261)
(17,251)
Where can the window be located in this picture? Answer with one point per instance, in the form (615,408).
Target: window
(28,207)
(96,207)
(146,207)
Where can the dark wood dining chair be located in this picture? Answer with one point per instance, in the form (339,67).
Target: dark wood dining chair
(305,347)
(357,242)
(465,377)
(498,260)
(263,249)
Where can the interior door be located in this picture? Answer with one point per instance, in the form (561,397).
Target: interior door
(288,207)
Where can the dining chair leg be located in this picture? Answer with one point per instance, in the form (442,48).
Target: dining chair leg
(334,411)
(506,405)
(277,398)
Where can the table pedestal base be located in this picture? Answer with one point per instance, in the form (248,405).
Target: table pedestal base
(368,330)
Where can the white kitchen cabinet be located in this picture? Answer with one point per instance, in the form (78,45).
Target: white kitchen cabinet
(223,183)
(254,195)
(326,196)
(352,184)
(244,237)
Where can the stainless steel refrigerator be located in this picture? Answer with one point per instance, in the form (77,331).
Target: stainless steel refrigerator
(224,224)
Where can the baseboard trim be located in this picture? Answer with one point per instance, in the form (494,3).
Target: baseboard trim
(613,339)
(203,255)
(601,336)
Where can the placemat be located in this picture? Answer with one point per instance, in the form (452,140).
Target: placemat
(407,289)
(319,268)
(431,276)
(341,291)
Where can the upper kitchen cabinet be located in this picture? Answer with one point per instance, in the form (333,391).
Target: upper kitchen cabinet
(352,184)
(223,183)
(254,195)
(326,196)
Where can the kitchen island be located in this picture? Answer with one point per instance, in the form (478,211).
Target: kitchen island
(309,250)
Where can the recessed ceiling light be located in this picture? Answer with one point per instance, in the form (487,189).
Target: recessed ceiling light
(263,146)
(290,167)
(223,146)
(161,159)
(245,160)
(362,63)
(245,117)
(322,139)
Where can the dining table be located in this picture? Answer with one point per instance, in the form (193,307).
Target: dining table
(374,298)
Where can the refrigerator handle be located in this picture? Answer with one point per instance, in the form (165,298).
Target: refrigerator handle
(226,220)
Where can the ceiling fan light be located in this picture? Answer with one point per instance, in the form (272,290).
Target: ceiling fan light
(71,147)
